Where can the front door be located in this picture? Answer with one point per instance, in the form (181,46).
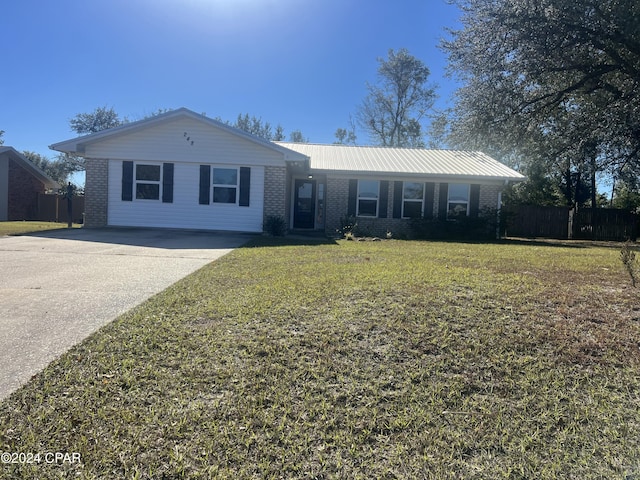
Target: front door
(304,204)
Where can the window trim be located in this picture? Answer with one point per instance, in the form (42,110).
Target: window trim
(376,199)
(468,201)
(413,200)
(146,182)
(224,185)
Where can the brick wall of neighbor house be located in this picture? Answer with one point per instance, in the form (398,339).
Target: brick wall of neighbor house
(96,192)
(275,188)
(23,193)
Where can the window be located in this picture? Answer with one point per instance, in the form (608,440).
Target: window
(458,203)
(147,182)
(368,193)
(412,199)
(225,185)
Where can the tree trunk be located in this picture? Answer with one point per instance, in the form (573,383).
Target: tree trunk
(594,194)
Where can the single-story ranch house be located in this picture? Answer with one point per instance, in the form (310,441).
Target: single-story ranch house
(184,170)
(20,183)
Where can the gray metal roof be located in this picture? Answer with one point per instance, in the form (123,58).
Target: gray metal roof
(399,161)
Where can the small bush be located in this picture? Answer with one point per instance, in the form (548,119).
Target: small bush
(348,224)
(482,227)
(275,226)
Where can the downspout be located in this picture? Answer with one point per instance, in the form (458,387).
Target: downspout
(499,211)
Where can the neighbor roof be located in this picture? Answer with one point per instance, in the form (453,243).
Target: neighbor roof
(399,161)
(29,166)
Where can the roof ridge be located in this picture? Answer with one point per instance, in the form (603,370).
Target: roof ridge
(315,144)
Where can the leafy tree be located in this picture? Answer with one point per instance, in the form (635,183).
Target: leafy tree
(346,136)
(278,136)
(58,169)
(626,191)
(101,118)
(551,81)
(1,139)
(394,108)
(255,126)
(539,189)
(157,112)
(296,136)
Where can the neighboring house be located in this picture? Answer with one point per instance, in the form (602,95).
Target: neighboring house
(184,170)
(20,183)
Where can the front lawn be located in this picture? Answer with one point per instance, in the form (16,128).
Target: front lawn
(354,360)
(21,228)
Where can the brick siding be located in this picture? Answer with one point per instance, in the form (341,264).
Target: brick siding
(337,205)
(275,192)
(337,200)
(489,196)
(23,193)
(96,192)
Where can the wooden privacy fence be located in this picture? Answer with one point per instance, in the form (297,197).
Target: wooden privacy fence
(605,224)
(534,221)
(567,223)
(53,208)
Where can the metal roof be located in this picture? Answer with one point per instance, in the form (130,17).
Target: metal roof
(399,161)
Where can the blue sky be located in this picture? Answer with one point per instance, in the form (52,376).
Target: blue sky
(301,63)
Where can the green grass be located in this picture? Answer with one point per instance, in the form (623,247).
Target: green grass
(354,360)
(21,228)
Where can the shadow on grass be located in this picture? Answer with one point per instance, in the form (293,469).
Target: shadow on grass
(550,242)
(289,240)
(315,239)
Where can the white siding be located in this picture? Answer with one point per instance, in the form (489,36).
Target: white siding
(167,142)
(185,211)
(187,143)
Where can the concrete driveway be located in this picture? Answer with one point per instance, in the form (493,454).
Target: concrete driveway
(58,287)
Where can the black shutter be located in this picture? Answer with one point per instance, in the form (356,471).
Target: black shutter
(353,197)
(167,183)
(429,194)
(127,181)
(245,186)
(384,199)
(474,200)
(397,199)
(205,184)
(443,201)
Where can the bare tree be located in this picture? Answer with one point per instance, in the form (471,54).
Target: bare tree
(393,110)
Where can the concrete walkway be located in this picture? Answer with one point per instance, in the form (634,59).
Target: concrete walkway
(58,287)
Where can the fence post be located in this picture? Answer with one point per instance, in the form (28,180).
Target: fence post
(69,205)
(572,212)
